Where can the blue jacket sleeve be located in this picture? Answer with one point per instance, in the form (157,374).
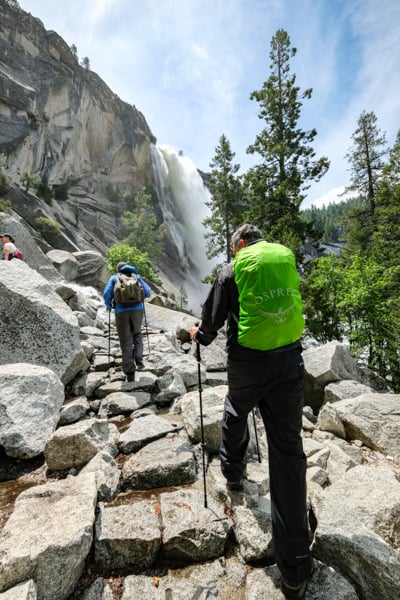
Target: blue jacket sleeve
(146,288)
(108,293)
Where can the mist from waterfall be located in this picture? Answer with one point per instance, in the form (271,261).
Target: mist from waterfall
(183,196)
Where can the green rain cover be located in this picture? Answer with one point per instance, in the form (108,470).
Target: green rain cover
(271,311)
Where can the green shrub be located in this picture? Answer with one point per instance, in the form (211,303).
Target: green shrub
(4,185)
(5,206)
(129,254)
(43,190)
(27,180)
(47,225)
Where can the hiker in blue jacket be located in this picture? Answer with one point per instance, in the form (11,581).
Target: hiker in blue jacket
(128,320)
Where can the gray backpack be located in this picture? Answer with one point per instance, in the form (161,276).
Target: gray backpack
(127,290)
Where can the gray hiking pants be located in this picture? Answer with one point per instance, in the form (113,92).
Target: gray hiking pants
(129,324)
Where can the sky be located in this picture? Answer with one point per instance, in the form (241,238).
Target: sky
(190,66)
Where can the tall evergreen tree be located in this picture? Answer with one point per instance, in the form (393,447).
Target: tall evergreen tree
(141,226)
(385,252)
(225,203)
(386,237)
(366,158)
(358,294)
(366,167)
(392,170)
(276,187)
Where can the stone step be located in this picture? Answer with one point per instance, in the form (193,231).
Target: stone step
(165,462)
(130,533)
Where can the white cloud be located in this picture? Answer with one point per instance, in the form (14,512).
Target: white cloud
(95,11)
(190,66)
(332,196)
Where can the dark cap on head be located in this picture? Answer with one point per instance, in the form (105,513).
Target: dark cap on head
(7,235)
(120,265)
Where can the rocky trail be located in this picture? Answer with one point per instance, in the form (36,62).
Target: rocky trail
(114,506)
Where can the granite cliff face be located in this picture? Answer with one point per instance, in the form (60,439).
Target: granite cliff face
(61,120)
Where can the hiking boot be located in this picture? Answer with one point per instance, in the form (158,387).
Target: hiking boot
(293,592)
(130,376)
(139,365)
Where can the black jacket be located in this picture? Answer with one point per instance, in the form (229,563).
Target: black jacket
(222,304)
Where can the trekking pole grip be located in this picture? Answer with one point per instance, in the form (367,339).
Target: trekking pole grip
(198,357)
(198,351)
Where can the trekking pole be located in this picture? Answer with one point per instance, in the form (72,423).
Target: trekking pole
(203,445)
(109,338)
(256,436)
(147,329)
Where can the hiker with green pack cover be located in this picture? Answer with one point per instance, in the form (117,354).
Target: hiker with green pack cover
(270,303)
(258,296)
(125,291)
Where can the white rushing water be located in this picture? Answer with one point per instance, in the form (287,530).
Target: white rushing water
(183,198)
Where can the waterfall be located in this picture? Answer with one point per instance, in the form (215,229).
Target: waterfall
(183,196)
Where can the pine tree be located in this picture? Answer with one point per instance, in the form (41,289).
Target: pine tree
(366,167)
(143,232)
(365,158)
(85,62)
(392,170)
(358,294)
(386,237)
(275,188)
(225,203)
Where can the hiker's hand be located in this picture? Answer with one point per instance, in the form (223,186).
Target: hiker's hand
(193,332)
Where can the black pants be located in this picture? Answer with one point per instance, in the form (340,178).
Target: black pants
(129,325)
(274,382)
